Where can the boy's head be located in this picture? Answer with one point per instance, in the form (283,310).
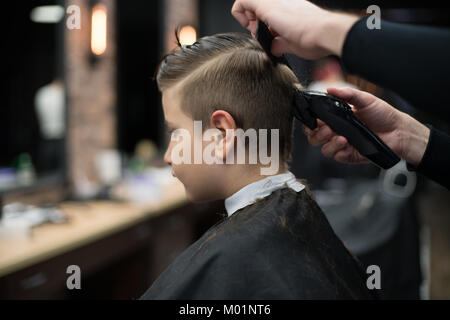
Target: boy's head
(226,82)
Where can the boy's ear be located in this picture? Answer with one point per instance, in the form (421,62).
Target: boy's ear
(224,122)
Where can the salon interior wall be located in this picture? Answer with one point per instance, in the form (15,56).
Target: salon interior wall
(92,86)
(90,94)
(178,13)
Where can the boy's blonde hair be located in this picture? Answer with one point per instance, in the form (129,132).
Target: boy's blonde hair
(230,72)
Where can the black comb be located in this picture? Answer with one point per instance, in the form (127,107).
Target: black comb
(265,37)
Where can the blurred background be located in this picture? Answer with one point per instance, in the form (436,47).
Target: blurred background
(82,180)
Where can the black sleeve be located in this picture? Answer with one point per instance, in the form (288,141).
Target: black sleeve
(435,163)
(413,61)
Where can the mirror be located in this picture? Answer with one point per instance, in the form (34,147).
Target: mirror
(33,110)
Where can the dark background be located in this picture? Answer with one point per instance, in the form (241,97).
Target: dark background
(139,115)
(32,56)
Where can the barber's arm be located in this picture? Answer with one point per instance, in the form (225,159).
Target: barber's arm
(426,150)
(410,60)
(301,28)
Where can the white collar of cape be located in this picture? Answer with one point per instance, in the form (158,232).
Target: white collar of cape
(260,189)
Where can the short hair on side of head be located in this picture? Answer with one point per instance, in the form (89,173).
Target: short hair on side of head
(230,72)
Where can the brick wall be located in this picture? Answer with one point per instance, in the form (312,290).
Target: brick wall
(179,13)
(91,94)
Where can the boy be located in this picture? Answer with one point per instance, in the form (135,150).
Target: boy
(275,242)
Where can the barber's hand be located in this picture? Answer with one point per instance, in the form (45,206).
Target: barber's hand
(406,136)
(300,27)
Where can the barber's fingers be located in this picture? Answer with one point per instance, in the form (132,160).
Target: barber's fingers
(307,131)
(359,99)
(345,155)
(350,155)
(252,22)
(320,135)
(331,148)
(334,146)
(250,15)
(240,11)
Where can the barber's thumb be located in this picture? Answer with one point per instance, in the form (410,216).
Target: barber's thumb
(341,93)
(358,99)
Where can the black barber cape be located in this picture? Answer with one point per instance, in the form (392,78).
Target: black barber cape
(281,247)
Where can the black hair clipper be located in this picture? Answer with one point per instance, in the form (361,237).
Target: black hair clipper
(336,113)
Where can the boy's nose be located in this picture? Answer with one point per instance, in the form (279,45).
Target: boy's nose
(167,157)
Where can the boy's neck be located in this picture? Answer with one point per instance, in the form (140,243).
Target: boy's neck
(241,178)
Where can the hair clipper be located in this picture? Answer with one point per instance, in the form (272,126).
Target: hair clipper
(308,106)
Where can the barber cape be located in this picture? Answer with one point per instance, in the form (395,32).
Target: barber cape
(275,243)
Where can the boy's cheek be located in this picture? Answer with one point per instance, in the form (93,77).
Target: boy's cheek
(183,177)
(195,180)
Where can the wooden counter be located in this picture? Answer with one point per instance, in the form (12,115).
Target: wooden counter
(89,222)
(98,235)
